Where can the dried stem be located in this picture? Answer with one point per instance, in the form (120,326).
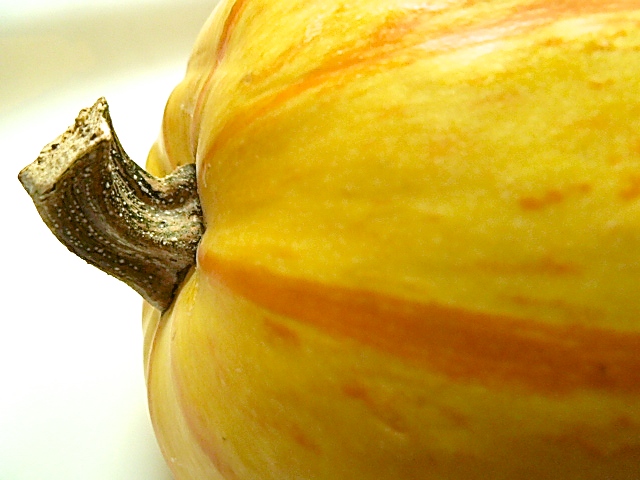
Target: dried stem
(103,207)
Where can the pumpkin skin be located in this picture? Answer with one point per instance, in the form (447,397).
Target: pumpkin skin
(422,250)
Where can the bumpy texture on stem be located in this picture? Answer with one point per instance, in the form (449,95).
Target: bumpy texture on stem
(103,207)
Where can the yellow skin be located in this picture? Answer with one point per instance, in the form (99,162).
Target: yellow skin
(422,253)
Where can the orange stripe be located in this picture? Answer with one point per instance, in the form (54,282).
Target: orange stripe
(228,28)
(558,9)
(222,44)
(161,401)
(462,344)
(413,30)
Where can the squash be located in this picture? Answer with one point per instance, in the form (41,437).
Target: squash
(421,247)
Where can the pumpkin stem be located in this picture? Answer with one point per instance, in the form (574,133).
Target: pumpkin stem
(103,207)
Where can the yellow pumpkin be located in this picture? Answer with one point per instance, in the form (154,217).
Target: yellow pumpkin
(422,246)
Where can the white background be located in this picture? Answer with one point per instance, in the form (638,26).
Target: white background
(72,394)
